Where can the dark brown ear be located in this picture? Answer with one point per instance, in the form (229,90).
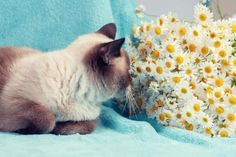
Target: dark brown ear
(103,54)
(111,50)
(108,30)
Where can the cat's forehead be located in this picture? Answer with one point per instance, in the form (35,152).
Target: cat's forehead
(87,42)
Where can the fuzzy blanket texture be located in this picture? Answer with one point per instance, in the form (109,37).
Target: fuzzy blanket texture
(53,24)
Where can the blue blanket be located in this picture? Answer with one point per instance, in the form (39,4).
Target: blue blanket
(52,24)
(117,136)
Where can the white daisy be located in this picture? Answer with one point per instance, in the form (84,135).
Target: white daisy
(203,15)
(205,120)
(183,90)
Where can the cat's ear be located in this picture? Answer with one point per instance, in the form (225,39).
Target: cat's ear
(111,50)
(103,54)
(108,30)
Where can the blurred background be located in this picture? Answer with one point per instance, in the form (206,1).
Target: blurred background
(184,8)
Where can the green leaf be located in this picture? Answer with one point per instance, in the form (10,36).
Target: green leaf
(233,82)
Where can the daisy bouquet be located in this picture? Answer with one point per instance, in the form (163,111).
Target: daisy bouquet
(184,73)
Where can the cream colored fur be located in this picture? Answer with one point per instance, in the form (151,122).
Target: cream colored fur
(59,81)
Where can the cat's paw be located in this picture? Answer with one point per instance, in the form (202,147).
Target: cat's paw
(70,127)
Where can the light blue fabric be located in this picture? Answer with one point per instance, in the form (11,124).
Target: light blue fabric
(52,24)
(117,136)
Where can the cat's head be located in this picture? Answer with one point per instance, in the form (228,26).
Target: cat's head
(106,62)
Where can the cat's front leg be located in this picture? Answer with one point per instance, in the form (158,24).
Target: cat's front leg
(73,127)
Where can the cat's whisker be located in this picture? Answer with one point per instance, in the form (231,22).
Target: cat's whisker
(124,107)
(130,101)
(134,105)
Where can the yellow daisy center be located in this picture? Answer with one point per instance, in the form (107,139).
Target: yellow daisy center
(148,69)
(188,114)
(222,27)
(219,82)
(179,115)
(148,27)
(222,53)
(213,60)
(195,33)
(144,59)
(192,85)
(222,125)
(139,69)
(228,91)
(173,19)
(219,110)
(231,117)
(176,79)
(196,107)
(197,60)
(209,90)
(205,119)
(204,50)
(233,28)
(211,101)
(217,44)
(224,133)
(203,17)
(179,59)
(170,48)
(234,62)
(208,131)
(208,69)
(160,103)
(168,64)
(158,30)
(217,94)
(167,115)
(162,117)
(149,43)
(225,63)
(189,71)
(159,70)
(156,54)
(232,100)
(184,42)
(212,35)
(154,108)
(161,21)
(184,90)
(222,100)
(189,127)
(182,31)
(192,47)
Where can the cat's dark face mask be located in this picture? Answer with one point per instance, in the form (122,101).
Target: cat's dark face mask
(109,62)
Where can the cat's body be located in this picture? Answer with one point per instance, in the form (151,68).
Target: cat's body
(59,91)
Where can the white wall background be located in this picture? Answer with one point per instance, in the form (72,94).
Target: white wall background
(183,8)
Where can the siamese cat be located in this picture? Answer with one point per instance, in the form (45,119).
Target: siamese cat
(61,92)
